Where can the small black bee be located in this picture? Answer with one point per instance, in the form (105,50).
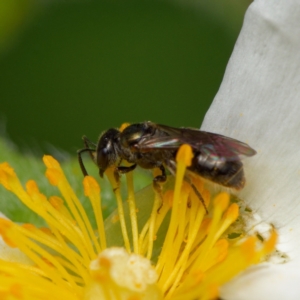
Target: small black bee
(150,145)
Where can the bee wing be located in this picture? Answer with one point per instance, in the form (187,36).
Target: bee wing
(215,146)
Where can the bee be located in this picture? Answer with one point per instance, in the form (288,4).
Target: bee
(217,158)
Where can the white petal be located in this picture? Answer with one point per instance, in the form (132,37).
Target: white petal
(259,103)
(12,254)
(3,216)
(274,282)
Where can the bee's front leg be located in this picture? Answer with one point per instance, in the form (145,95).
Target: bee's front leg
(89,145)
(124,170)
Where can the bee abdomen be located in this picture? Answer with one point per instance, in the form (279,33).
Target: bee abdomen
(224,172)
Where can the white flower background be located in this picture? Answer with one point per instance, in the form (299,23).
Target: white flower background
(259,103)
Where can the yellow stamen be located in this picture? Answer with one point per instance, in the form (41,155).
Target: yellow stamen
(270,244)
(110,172)
(152,222)
(21,284)
(35,252)
(69,259)
(144,238)
(56,177)
(181,264)
(58,205)
(220,204)
(183,158)
(132,212)
(92,190)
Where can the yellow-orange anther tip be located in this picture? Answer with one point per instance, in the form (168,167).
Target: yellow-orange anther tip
(7,173)
(46,230)
(28,226)
(222,201)
(185,188)
(185,155)
(222,244)
(232,212)
(104,262)
(206,224)
(50,162)
(56,202)
(123,126)
(5,223)
(54,176)
(271,242)
(248,248)
(90,186)
(31,187)
(6,168)
(5,226)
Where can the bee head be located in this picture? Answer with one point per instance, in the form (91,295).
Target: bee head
(107,149)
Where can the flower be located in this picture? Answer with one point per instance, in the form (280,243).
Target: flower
(73,261)
(258,102)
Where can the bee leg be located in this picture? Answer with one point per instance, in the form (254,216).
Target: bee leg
(161,178)
(124,170)
(198,195)
(89,145)
(156,184)
(172,169)
(81,164)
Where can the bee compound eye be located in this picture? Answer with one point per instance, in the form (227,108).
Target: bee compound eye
(102,158)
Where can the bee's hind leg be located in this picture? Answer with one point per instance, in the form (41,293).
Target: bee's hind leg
(172,168)
(198,194)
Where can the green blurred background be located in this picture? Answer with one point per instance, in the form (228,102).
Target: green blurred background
(69,68)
